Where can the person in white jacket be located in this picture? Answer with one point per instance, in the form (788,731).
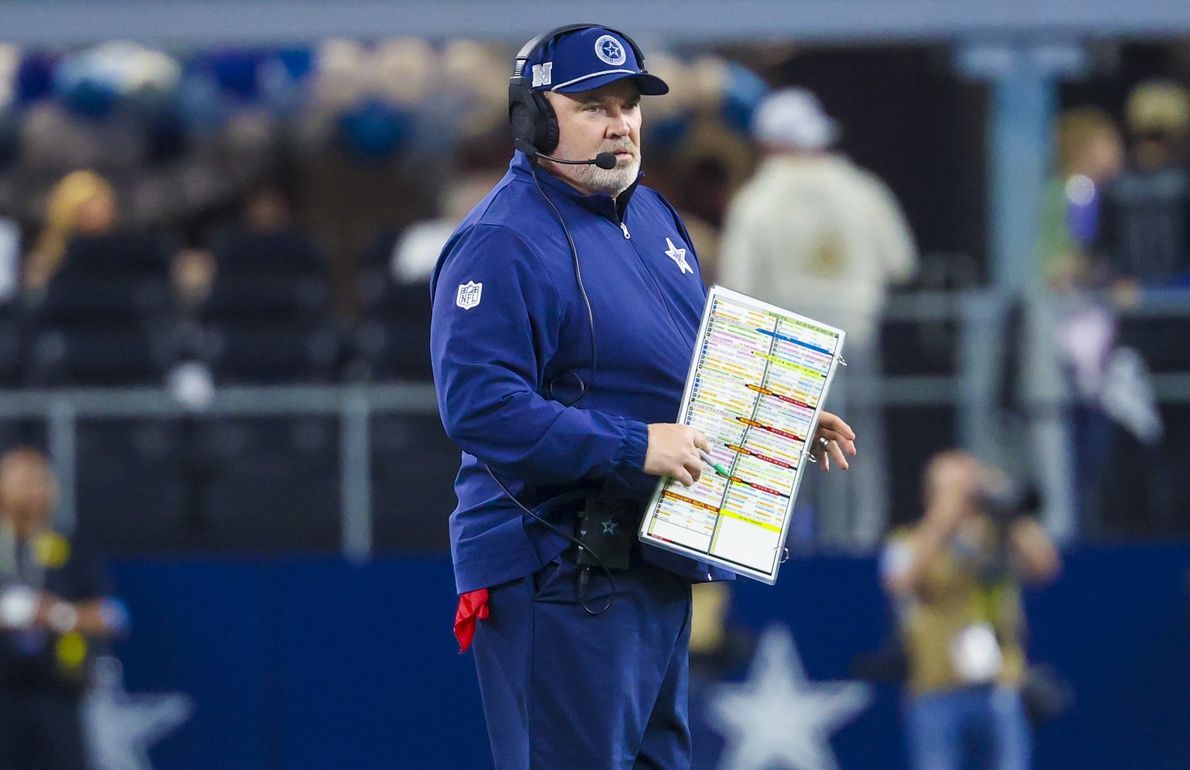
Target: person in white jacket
(814,233)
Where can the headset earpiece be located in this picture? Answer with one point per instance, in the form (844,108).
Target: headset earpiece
(534,124)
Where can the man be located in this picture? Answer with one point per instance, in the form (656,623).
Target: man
(565,310)
(53,605)
(813,233)
(1145,229)
(956,579)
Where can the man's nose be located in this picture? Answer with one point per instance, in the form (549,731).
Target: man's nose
(618,124)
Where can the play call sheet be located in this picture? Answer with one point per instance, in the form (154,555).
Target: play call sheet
(758,377)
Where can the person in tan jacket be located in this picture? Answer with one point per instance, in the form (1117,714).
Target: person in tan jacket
(956,579)
(816,234)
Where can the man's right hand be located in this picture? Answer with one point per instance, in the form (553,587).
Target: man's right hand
(673,451)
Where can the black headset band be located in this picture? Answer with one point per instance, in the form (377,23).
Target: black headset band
(518,70)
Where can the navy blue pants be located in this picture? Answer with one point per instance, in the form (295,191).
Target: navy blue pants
(564,690)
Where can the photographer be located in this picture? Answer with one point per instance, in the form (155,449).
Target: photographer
(55,608)
(956,577)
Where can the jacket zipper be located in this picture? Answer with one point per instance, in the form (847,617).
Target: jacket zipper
(652,280)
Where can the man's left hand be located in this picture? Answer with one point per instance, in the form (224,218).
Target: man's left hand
(840,442)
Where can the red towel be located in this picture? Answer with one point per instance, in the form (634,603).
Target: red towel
(473,606)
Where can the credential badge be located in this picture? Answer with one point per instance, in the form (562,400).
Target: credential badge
(609,51)
(469,295)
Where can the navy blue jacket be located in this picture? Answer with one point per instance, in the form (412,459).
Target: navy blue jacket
(510,341)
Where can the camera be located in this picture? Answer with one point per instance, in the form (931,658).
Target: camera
(1008,501)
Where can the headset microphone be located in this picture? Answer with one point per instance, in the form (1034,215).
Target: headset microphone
(604,160)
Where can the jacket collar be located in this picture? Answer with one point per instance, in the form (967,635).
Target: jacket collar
(614,209)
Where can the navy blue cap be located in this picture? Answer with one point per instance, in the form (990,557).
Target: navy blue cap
(587,59)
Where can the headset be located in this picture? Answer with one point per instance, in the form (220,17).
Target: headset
(535,133)
(534,124)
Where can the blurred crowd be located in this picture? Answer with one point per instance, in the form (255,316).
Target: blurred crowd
(272,216)
(1115,225)
(265,217)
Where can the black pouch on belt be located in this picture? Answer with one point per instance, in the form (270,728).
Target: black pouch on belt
(607,529)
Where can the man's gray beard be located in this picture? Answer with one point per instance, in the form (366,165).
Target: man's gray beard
(609,181)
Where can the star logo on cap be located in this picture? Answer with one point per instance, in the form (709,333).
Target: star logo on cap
(609,51)
(609,526)
(678,256)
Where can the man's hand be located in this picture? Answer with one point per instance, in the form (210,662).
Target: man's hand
(673,451)
(841,440)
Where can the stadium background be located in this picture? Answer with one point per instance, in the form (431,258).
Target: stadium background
(280,539)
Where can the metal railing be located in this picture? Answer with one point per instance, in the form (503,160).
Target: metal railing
(353,405)
(971,390)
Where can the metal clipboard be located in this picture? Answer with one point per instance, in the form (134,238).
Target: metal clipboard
(757,381)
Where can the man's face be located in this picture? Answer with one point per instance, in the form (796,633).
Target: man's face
(604,120)
(27,493)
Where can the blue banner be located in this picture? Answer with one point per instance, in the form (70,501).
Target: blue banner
(308,663)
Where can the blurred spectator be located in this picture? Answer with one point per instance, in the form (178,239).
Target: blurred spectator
(956,580)
(191,272)
(82,203)
(54,606)
(266,317)
(813,233)
(1072,442)
(1090,155)
(1146,228)
(392,340)
(718,647)
(416,251)
(1071,340)
(94,294)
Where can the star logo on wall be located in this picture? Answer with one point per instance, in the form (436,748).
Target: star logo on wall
(678,256)
(778,719)
(121,727)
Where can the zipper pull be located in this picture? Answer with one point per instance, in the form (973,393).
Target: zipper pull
(627,235)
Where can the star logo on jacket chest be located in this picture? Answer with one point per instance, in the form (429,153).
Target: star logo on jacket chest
(678,256)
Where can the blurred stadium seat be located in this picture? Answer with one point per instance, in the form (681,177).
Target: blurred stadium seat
(392,341)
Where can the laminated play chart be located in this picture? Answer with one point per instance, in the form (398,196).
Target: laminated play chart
(755,389)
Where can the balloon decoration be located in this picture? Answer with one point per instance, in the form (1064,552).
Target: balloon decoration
(34,78)
(235,72)
(281,80)
(84,91)
(374,130)
(94,82)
